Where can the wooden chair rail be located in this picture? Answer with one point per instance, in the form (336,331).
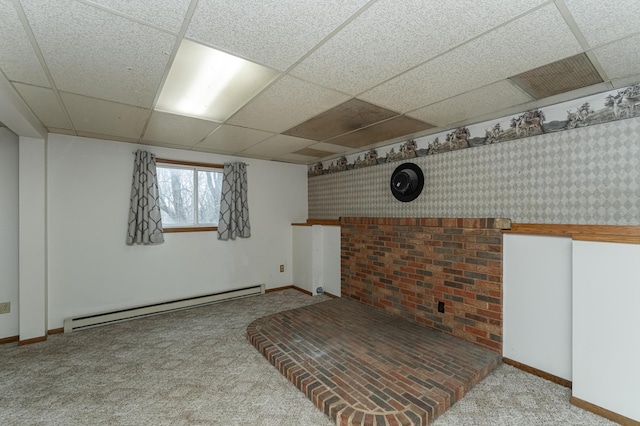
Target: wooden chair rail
(602,233)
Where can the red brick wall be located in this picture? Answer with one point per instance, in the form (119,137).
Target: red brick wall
(407,265)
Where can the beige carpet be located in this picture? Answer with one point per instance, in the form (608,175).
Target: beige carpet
(195,367)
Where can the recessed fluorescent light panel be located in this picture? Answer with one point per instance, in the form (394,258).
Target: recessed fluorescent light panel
(206,83)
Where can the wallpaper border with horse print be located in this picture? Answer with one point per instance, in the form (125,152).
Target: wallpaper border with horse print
(595,109)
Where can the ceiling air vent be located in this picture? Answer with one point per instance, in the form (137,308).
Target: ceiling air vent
(347,117)
(558,77)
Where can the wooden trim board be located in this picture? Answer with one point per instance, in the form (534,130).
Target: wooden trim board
(539,373)
(308,293)
(325,222)
(13,339)
(626,239)
(287,287)
(32,341)
(602,233)
(9,339)
(603,412)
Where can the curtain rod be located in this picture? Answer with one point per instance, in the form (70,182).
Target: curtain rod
(181,161)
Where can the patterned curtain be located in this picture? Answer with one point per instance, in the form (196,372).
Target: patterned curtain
(234,208)
(145,224)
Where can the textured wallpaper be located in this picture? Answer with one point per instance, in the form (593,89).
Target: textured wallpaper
(588,175)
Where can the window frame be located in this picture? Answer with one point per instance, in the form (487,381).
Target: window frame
(195,165)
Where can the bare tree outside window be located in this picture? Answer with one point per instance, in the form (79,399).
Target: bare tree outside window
(209,187)
(189,196)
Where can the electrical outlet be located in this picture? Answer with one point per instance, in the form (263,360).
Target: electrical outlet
(441,307)
(281,268)
(5,307)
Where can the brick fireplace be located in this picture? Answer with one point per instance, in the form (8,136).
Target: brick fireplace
(407,266)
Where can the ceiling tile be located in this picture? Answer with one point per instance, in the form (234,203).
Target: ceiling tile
(329,147)
(393,128)
(537,103)
(233,139)
(278,145)
(165,145)
(351,60)
(99,54)
(625,81)
(275,33)
(100,117)
(485,100)
(44,105)
(346,117)
(61,131)
(605,21)
(295,101)
(620,59)
(17,58)
(212,150)
(504,52)
(313,152)
(557,77)
(298,158)
(177,129)
(107,137)
(167,14)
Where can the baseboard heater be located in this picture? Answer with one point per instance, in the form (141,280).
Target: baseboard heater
(94,320)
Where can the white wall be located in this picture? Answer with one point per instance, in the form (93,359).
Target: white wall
(33,238)
(537,302)
(316,258)
(606,346)
(91,269)
(9,231)
(302,265)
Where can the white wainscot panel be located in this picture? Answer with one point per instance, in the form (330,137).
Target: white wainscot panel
(316,258)
(606,341)
(537,302)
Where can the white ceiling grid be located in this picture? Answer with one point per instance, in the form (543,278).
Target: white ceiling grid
(507,51)
(98,54)
(177,130)
(278,145)
(491,98)
(275,33)
(100,117)
(443,63)
(44,104)
(232,139)
(14,44)
(391,37)
(293,99)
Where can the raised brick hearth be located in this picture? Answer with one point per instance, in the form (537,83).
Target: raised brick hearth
(405,266)
(363,366)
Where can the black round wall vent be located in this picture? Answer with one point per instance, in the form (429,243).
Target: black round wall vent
(407,182)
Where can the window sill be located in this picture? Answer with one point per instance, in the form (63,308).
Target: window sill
(190,229)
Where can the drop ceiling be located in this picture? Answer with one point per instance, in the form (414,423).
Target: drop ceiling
(344,75)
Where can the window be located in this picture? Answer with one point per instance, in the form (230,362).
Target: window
(189,195)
